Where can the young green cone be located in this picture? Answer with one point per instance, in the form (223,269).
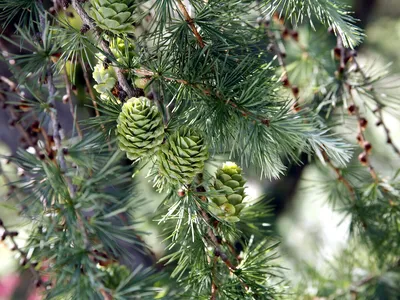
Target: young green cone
(124,52)
(105,78)
(230,183)
(183,156)
(140,129)
(113,15)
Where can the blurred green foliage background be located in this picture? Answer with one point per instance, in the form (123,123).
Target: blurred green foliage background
(312,233)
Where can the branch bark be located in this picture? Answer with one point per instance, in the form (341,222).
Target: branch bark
(191,23)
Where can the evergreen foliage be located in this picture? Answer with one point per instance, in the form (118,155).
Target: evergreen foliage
(218,82)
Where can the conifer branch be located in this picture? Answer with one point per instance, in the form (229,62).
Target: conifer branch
(378,110)
(363,142)
(206,91)
(123,82)
(191,23)
(60,153)
(354,109)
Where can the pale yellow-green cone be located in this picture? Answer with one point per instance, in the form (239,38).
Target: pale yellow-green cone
(105,78)
(140,129)
(115,16)
(230,185)
(124,51)
(114,274)
(182,156)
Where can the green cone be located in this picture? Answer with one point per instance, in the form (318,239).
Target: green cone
(113,15)
(124,52)
(115,273)
(105,78)
(140,128)
(182,156)
(230,183)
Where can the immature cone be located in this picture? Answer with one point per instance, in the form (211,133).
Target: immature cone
(113,15)
(124,52)
(230,183)
(140,128)
(105,78)
(183,156)
(115,273)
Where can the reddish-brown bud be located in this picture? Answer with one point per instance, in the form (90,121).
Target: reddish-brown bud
(295,35)
(296,106)
(265,122)
(367,146)
(181,193)
(285,81)
(295,90)
(351,109)
(359,138)
(363,158)
(285,33)
(337,53)
(363,123)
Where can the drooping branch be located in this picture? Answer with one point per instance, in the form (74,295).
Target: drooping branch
(378,110)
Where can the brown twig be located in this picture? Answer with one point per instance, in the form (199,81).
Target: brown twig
(340,177)
(278,47)
(364,157)
(378,110)
(353,109)
(190,22)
